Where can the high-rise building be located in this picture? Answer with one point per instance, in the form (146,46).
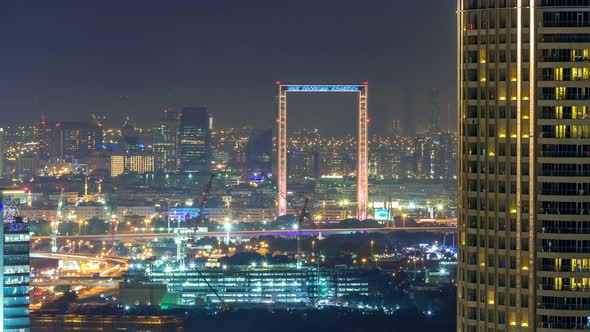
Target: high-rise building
(302,165)
(165,141)
(194,136)
(75,140)
(259,153)
(424,157)
(45,139)
(524,166)
(15,271)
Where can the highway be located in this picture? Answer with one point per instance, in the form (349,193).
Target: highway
(113,260)
(242,234)
(107,279)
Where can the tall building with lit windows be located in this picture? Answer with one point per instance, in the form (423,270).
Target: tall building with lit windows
(524,165)
(194,137)
(165,141)
(15,271)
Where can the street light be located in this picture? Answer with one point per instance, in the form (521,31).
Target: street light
(372,244)
(227,227)
(404,216)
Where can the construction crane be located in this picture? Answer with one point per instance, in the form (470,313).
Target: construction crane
(180,239)
(300,220)
(204,197)
(200,215)
(222,305)
(198,221)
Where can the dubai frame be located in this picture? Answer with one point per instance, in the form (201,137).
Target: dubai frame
(362,159)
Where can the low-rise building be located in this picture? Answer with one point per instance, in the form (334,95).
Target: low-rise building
(89,210)
(182,214)
(219,215)
(38,213)
(276,284)
(255,215)
(144,210)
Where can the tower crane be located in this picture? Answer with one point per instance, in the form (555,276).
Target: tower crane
(203,201)
(179,240)
(204,197)
(199,219)
(300,220)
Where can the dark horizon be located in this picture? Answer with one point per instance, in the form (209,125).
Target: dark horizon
(67,60)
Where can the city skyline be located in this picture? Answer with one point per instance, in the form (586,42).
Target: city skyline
(119,58)
(299,166)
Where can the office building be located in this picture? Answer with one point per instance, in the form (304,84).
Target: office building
(165,141)
(259,154)
(15,269)
(272,284)
(194,136)
(132,163)
(524,166)
(45,139)
(75,140)
(302,166)
(424,157)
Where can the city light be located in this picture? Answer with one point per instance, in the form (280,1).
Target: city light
(157,212)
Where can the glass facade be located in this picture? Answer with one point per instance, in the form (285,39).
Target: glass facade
(165,142)
(524,198)
(273,285)
(194,137)
(15,271)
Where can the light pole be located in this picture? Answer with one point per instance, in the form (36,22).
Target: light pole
(372,244)
(404,216)
(227,227)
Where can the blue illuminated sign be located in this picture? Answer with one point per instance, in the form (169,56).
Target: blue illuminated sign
(323,88)
(381,214)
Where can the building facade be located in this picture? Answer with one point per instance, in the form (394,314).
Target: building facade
(165,142)
(132,163)
(15,272)
(524,171)
(194,137)
(263,284)
(75,140)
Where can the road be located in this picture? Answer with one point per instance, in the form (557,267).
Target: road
(286,233)
(112,260)
(106,281)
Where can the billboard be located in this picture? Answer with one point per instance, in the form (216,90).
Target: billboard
(381,214)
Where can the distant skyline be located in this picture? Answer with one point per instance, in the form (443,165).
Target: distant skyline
(71,58)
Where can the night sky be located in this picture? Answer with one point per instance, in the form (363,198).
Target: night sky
(72,58)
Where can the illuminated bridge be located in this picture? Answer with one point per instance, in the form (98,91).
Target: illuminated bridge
(246,234)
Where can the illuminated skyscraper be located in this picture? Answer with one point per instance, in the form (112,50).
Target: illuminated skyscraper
(194,136)
(165,141)
(45,137)
(75,140)
(15,238)
(524,166)
(424,157)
